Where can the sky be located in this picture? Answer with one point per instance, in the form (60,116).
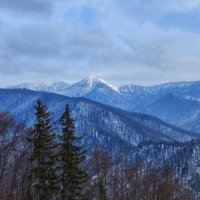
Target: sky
(143,42)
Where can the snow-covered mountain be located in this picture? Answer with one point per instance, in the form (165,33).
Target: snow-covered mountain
(92,88)
(108,126)
(176,103)
(86,86)
(54,87)
(127,97)
(144,96)
(31,86)
(176,109)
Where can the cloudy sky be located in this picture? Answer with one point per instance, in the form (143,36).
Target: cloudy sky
(122,41)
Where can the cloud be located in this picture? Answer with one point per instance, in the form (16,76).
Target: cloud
(182,14)
(26,6)
(38,40)
(131,41)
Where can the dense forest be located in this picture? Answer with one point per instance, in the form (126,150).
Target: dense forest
(44,163)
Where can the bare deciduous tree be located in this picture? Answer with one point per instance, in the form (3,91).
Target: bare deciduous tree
(13,158)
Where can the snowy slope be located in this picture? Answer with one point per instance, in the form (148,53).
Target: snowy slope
(86,86)
(98,90)
(144,96)
(176,103)
(176,109)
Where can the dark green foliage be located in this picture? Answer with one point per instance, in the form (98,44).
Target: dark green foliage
(71,156)
(43,177)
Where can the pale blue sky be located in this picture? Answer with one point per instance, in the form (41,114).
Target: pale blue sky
(131,41)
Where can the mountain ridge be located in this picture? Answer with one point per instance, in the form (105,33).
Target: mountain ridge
(143,99)
(103,124)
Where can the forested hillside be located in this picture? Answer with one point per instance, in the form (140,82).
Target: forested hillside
(150,172)
(108,126)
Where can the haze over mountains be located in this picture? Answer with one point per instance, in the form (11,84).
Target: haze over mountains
(176,103)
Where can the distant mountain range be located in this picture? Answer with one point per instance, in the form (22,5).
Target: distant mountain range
(107,126)
(175,103)
(57,87)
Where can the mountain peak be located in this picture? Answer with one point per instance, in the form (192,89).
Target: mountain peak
(93,80)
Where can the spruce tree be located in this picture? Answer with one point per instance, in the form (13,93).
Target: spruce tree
(42,173)
(72,175)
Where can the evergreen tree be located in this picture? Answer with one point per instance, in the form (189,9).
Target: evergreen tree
(42,173)
(72,176)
